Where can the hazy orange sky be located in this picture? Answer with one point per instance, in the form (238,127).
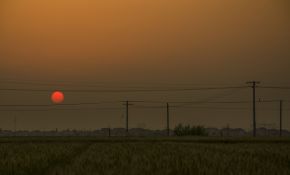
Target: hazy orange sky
(144,41)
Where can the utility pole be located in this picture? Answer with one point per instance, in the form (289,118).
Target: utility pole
(281,113)
(14,125)
(168,128)
(228,130)
(127,103)
(109,130)
(254,84)
(127,117)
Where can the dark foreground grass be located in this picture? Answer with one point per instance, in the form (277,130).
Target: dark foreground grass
(81,156)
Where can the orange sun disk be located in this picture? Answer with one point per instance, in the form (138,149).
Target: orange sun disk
(57,97)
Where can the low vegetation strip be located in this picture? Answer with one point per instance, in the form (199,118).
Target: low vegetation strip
(34,158)
(55,168)
(181,158)
(128,156)
(36,140)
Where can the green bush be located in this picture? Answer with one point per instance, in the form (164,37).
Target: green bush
(188,130)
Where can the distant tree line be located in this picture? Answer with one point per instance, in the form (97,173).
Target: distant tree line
(187,130)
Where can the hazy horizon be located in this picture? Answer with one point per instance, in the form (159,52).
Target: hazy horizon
(161,44)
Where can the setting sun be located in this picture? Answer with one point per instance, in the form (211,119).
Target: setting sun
(57,97)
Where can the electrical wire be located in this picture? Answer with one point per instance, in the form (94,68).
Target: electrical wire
(274,87)
(56,109)
(123,90)
(103,102)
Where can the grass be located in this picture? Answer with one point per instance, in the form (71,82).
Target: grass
(80,155)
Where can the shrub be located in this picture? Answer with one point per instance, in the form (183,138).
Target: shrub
(188,130)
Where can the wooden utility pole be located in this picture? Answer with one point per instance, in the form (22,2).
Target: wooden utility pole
(168,128)
(254,84)
(228,130)
(15,124)
(127,114)
(281,113)
(15,128)
(127,117)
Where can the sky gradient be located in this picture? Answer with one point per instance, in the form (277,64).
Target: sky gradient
(110,44)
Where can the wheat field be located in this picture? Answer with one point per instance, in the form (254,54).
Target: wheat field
(81,156)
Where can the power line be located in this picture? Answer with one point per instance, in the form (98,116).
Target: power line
(56,109)
(49,82)
(267,101)
(274,87)
(139,101)
(205,107)
(52,105)
(213,102)
(212,98)
(201,107)
(151,107)
(55,105)
(123,90)
(254,85)
(79,104)
(102,84)
(137,107)
(93,82)
(74,84)
(224,108)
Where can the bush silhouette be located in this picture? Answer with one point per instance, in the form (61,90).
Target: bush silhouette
(188,130)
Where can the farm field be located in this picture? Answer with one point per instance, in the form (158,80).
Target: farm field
(65,156)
